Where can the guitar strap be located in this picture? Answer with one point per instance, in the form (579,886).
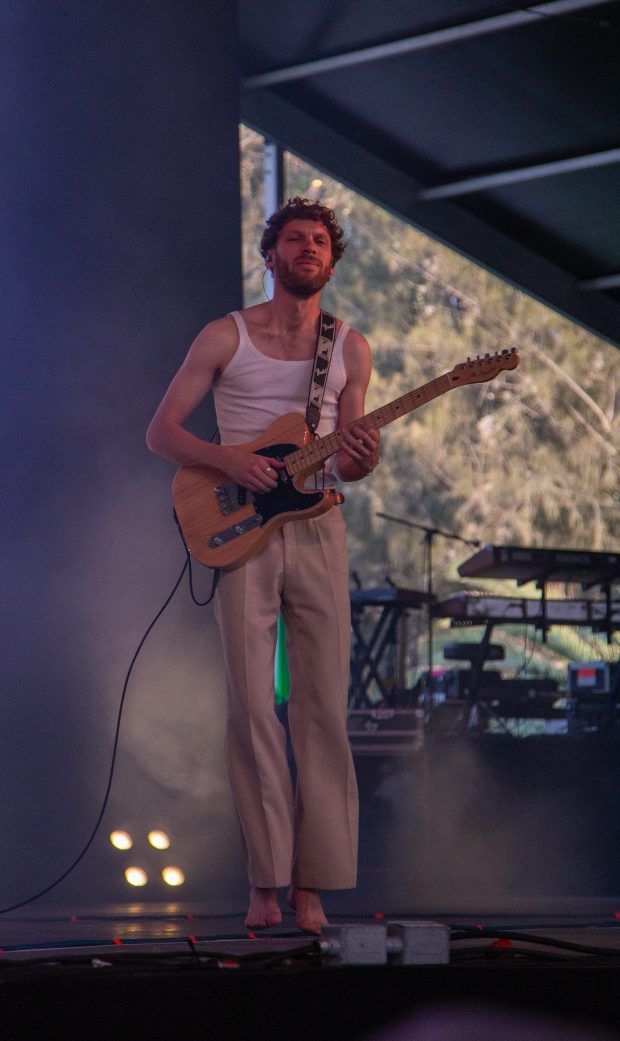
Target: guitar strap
(322,358)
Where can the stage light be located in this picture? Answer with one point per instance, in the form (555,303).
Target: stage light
(316,182)
(121,840)
(173,876)
(136,876)
(159,839)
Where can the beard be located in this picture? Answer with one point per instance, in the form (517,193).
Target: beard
(301,285)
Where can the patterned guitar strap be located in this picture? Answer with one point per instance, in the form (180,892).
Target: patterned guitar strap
(322,358)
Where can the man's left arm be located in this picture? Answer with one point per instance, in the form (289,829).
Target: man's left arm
(359,451)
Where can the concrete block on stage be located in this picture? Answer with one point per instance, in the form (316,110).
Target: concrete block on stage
(354,944)
(418,943)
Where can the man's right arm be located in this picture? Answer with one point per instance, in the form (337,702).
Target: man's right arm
(209,354)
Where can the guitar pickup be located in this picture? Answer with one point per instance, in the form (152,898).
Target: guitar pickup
(230,497)
(235,530)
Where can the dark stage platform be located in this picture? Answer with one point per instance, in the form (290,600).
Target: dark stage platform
(185,971)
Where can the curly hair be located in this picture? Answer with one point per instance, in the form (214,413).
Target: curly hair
(303,209)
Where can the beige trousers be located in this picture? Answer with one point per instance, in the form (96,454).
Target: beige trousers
(307,837)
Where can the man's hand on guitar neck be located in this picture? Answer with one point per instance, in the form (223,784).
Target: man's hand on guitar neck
(359,446)
(258,473)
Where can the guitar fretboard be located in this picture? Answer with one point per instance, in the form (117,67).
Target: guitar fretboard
(321,449)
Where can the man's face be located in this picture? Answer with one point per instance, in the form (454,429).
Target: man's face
(302,260)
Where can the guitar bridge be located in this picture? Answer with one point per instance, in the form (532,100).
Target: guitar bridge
(235,530)
(230,497)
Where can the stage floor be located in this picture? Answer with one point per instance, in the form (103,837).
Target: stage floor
(65,932)
(153,970)
(70,930)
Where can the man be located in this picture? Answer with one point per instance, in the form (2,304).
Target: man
(259,363)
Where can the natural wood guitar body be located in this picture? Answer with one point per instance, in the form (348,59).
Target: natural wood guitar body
(199,508)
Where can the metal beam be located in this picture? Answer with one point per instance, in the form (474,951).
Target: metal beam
(520,173)
(604,282)
(421,41)
(273,168)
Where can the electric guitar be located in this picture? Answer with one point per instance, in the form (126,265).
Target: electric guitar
(224,524)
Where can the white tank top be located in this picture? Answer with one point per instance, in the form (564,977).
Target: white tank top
(254,390)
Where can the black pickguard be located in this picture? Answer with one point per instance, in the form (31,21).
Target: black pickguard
(285,498)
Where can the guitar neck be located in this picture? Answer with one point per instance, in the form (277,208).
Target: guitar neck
(324,447)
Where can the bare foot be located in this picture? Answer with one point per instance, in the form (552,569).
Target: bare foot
(263,910)
(308,909)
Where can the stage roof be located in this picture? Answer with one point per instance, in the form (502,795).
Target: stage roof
(492,126)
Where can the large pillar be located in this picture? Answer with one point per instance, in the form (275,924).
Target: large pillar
(121,238)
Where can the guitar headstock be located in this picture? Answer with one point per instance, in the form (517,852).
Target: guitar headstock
(481,370)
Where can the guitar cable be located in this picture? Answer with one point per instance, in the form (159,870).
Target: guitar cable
(216,570)
(187,566)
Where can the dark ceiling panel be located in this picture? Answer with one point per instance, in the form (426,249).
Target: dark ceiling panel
(277,34)
(477,104)
(564,224)
(539,93)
